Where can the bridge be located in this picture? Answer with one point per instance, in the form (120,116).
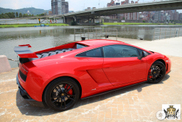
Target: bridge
(82,16)
(127,8)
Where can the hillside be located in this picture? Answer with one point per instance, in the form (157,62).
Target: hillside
(32,10)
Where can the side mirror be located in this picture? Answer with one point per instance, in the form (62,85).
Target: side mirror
(141,55)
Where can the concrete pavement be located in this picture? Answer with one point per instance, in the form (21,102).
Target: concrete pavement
(139,103)
(169,46)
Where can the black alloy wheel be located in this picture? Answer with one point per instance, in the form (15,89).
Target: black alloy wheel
(61,94)
(157,72)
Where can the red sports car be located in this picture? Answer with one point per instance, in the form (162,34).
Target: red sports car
(61,75)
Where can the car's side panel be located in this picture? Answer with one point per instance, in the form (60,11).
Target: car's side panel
(124,70)
(39,77)
(98,75)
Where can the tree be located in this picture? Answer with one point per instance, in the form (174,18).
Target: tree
(43,14)
(25,15)
(4,15)
(16,14)
(20,15)
(11,14)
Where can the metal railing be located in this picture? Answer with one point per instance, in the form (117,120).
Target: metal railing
(162,33)
(133,33)
(95,33)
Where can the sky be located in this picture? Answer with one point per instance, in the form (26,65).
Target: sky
(74,5)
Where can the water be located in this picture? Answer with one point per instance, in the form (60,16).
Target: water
(46,37)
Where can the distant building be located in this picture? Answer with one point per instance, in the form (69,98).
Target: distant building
(117,4)
(59,7)
(50,12)
(65,7)
(176,15)
(28,12)
(88,8)
(157,16)
(180,16)
(124,2)
(130,16)
(112,3)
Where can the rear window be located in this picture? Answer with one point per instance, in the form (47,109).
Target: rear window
(91,53)
(78,46)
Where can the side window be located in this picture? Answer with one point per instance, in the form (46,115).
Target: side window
(120,51)
(92,53)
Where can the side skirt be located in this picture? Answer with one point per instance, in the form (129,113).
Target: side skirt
(106,92)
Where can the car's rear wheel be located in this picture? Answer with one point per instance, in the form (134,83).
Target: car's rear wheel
(61,94)
(156,72)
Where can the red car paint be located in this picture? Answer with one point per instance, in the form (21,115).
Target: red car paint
(94,74)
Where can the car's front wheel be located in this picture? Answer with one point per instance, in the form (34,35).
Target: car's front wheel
(61,94)
(157,72)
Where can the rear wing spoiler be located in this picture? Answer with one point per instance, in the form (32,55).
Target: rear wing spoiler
(23,51)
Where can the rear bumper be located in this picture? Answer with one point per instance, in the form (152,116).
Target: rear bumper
(26,96)
(22,91)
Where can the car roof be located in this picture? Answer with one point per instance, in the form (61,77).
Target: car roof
(99,42)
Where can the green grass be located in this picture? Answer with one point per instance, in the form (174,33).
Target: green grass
(127,23)
(61,24)
(29,25)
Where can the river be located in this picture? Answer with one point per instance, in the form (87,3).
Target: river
(45,37)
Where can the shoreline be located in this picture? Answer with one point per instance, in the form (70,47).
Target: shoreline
(104,24)
(133,23)
(31,25)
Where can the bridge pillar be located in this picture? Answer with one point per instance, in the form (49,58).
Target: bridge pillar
(93,19)
(64,21)
(74,17)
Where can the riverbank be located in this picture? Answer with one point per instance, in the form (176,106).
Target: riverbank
(128,23)
(62,24)
(30,25)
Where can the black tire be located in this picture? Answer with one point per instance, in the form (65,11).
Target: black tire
(156,72)
(61,94)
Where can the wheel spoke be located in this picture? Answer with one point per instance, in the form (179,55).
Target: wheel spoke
(69,89)
(61,103)
(66,87)
(71,95)
(71,98)
(55,100)
(160,75)
(64,102)
(161,69)
(154,80)
(57,89)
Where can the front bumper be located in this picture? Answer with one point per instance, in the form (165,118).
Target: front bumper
(168,67)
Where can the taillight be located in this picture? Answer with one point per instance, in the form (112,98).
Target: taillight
(23,70)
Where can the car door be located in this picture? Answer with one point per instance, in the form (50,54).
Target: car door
(122,66)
